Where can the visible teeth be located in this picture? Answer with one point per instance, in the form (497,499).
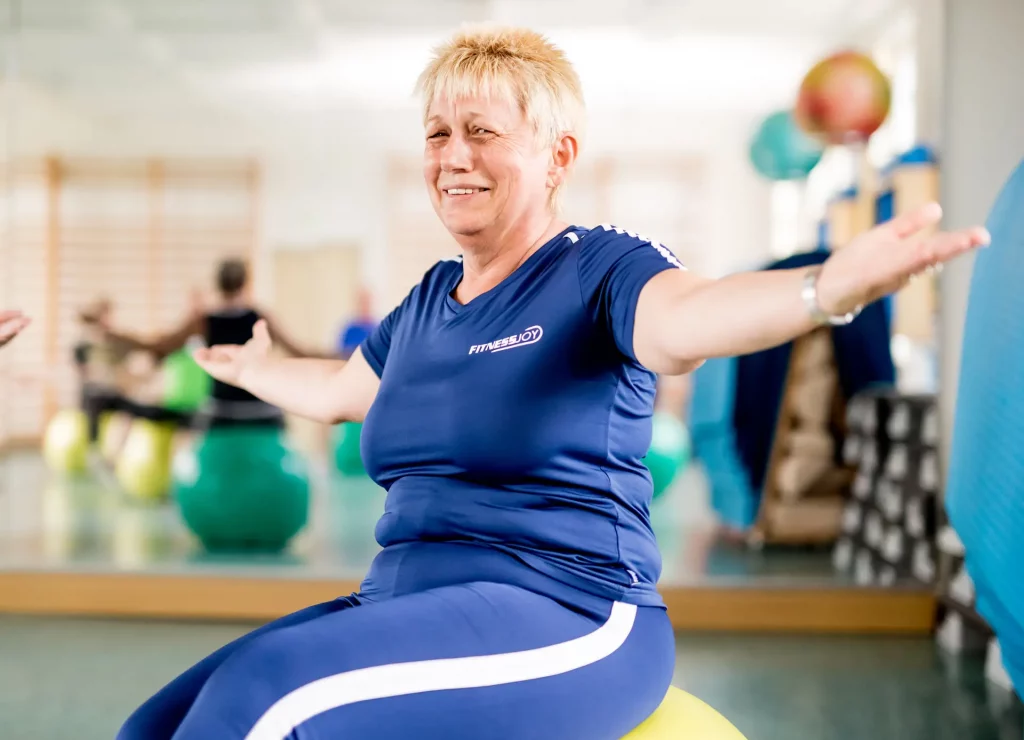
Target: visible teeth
(461,191)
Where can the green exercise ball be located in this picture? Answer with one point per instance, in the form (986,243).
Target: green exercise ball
(347,457)
(781,150)
(242,489)
(669,452)
(66,442)
(144,466)
(186,385)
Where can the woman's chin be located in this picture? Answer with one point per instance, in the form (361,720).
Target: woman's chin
(464,224)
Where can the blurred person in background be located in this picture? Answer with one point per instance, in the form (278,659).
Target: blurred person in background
(229,320)
(105,384)
(356,331)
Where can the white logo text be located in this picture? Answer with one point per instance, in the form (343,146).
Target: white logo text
(529,336)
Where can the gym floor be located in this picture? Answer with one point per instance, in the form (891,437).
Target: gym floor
(74,678)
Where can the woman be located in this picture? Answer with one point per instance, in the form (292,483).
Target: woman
(507,404)
(230,322)
(11,324)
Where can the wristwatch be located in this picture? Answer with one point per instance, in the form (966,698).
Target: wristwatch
(809,293)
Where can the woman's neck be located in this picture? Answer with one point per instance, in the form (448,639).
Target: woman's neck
(486,262)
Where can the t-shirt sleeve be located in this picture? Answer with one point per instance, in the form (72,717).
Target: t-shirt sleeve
(614,267)
(377,344)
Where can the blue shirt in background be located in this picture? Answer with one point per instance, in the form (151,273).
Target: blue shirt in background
(354,334)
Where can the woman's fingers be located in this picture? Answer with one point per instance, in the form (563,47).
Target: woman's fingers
(881,261)
(917,220)
(944,246)
(202,357)
(219,353)
(260,331)
(9,328)
(261,336)
(932,249)
(12,322)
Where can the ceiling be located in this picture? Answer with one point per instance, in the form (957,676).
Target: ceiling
(117,58)
(284,17)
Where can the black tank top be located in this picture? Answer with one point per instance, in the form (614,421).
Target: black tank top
(230,326)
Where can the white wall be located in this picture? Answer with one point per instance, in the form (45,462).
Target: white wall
(983,140)
(738,218)
(324,171)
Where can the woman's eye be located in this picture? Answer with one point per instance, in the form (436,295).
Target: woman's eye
(437,135)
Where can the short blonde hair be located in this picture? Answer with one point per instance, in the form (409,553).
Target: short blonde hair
(516,63)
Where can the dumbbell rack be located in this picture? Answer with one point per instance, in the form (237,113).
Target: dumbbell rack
(814,517)
(890,522)
(961,629)
(894,528)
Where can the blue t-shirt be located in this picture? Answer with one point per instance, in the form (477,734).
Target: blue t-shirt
(517,422)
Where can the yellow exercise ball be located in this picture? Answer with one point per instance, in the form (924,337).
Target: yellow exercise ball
(144,467)
(66,442)
(111,431)
(684,717)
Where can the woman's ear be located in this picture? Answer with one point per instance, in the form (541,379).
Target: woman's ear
(563,157)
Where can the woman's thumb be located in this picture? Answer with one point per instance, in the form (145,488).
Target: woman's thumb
(260,332)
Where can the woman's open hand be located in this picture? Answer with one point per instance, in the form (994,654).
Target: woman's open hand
(884,259)
(229,362)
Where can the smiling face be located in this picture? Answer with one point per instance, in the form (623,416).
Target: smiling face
(484,167)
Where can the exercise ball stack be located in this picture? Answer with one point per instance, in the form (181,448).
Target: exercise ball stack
(669,452)
(242,489)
